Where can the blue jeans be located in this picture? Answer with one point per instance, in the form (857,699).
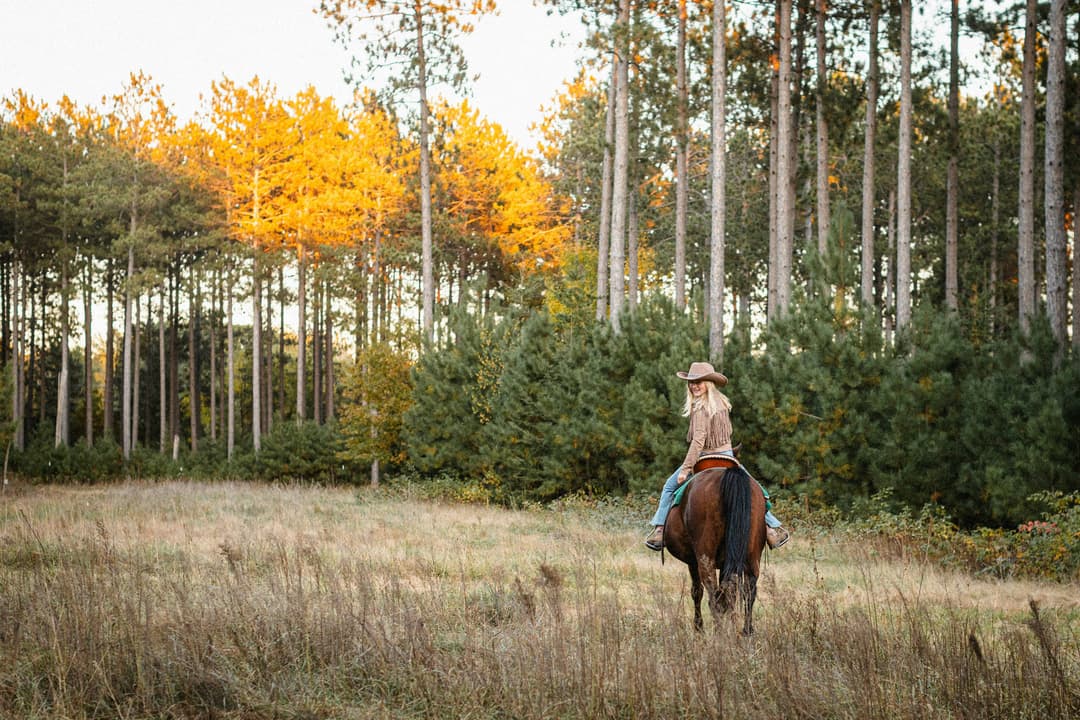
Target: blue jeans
(667,495)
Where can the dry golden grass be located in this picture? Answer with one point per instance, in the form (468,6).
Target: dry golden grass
(240,601)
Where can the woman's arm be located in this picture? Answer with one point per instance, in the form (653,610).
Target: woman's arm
(698,426)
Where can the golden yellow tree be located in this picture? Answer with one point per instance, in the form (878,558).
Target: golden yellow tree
(251,141)
(495,197)
(418,40)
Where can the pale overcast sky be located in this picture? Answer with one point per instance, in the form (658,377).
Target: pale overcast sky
(87,48)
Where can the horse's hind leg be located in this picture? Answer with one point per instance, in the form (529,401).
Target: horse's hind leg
(695,593)
(707,570)
(748,585)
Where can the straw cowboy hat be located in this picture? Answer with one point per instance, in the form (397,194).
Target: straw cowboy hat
(703,371)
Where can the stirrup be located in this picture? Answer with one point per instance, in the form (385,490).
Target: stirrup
(655,539)
(776,537)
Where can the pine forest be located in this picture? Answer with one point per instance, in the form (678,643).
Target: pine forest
(871,235)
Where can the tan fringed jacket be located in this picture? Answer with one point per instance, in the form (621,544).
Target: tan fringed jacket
(706,434)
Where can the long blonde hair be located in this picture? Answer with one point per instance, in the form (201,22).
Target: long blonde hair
(713,402)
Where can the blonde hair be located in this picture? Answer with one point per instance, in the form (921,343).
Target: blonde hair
(713,402)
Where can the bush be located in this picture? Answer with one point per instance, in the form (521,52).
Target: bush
(305,452)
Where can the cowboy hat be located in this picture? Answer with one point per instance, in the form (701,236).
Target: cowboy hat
(703,371)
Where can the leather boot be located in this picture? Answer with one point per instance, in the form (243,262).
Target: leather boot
(655,541)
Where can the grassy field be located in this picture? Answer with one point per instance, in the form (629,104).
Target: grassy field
(184,600)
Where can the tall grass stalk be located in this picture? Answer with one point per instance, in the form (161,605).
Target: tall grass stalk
(182,600)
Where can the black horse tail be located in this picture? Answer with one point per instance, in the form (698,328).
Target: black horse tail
(736,494)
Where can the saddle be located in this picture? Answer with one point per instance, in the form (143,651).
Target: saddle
(706,461)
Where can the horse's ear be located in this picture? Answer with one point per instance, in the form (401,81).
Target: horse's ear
(736,450)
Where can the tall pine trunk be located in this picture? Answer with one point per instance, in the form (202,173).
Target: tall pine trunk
(1054,202)
(604,221)
(317,354)
(1025,255)
(174,358)
(682,132)
(107,400)
(822,133)
(621,167)
(163,389)
(230,372)
(136,365)
(88,349)
(125,400)
(952,184)
(256,353)
(301,335)
(889,304)
(785,167)
(718,181)
(331,411)
(62,436)
(903,176)
(428,279)
(215,287)
(268,357)
(193,362)
(774,162)
(18,406)
(869,143)
(281,341)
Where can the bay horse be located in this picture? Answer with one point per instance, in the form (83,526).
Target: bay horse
(719,528)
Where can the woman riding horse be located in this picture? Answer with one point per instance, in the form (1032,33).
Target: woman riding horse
(710,433)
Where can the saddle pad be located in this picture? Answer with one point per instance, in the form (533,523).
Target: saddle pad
(678,496)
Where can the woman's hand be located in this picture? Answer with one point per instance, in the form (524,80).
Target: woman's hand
(682,476)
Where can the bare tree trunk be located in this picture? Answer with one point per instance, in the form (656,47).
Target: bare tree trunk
(136,366)
(868,160)
(125,403)
(682,172)
(63,385)
(952,186)
(621,174)
(890,271)
(174,357)
(193,385)
(774,179)
(785,167)
(256,353)
(1057,286)
(995,229)
(822,133)
(632,270)
(281,341)
(428,279)
(718,181)
(317,354)
(268,355)
(163,420)
(329,311)
(301,336)
(903,176)
(1076,273)
(107,399)
(230,363)
(88,349)
(604,230)
(215,286)
(1026,210)
(18,405)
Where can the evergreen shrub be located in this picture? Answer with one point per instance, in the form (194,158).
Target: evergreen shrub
(829,414)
